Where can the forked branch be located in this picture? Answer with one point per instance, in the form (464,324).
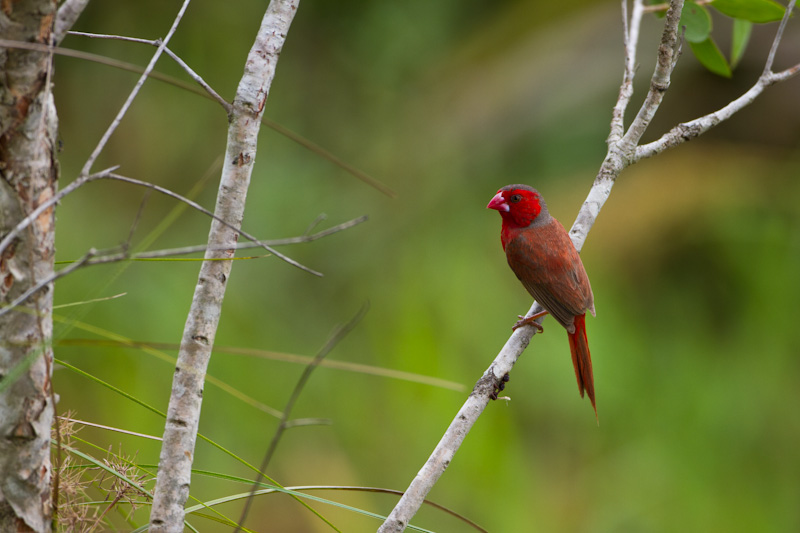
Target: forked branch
(623,151)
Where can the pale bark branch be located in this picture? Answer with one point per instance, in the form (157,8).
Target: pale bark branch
(631,41)
(694,128)
(180,432)
(66,17)
(666,59)
(622,152)
(466,417)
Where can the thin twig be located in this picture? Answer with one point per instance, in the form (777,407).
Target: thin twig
(87,167)
(339,333)
(379,490)
(194,75)
(353,171)
(95,258)
(302,141)
(778,36)
(156,254)
(66,17)
(127,244)
(346,366)
(46,281)
(205,211)
(108,428)
(47,204)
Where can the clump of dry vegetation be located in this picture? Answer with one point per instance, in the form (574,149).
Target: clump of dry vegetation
(86,493)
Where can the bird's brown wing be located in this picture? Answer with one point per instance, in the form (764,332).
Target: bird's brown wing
(546,262)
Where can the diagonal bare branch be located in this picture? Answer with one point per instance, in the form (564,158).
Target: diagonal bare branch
(183,414)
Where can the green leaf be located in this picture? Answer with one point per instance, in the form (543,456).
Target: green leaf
(697,22)
(707,52)
(739,40)
(753,10)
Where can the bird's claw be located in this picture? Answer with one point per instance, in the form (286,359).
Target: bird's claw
(527,321)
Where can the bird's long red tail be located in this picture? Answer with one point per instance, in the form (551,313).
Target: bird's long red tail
(582,359)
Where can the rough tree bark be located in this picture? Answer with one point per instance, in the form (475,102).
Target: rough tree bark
(183,415)
(29,173)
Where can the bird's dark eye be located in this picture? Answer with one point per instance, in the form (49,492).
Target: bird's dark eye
(515,198)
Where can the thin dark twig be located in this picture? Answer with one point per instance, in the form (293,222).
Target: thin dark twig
(378,490)
(130,67)
(338,334)
(353,171)
(200,248)
(87,167)
(205,211)
(185,66)
(72,187)
(91,258)
(46,281)
(315,223)
(127,244)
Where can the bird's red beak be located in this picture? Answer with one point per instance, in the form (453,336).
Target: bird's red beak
(499,203)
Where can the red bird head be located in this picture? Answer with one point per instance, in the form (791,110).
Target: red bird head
(520,206)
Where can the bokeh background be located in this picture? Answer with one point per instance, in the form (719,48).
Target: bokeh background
(694,263)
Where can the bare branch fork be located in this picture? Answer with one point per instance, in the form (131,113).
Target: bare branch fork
(623,151)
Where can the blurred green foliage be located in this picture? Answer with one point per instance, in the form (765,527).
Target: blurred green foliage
(694,264)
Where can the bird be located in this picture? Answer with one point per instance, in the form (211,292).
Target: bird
(543,257)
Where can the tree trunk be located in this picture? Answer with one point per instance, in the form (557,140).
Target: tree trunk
(29,173)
